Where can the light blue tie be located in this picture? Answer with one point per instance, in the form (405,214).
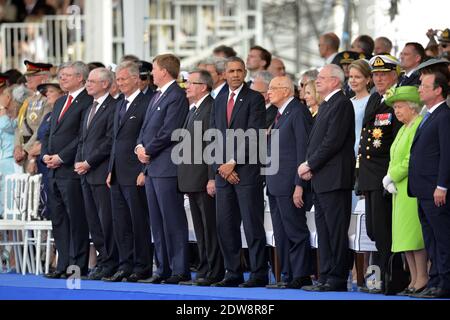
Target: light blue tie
(425,118)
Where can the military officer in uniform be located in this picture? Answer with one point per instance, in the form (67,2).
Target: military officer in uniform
(380,127)
(32,111)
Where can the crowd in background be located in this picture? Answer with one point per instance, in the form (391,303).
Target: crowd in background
(365,125)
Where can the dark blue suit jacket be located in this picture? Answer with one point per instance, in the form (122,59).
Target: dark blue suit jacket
(63,136)
(161,120)
(249,112)
(124,164)
(96,141)
(429,163)
(330,155)
(293,129)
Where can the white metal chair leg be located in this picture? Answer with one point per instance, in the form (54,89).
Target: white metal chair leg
(47,252)
(25,253)
(38,252)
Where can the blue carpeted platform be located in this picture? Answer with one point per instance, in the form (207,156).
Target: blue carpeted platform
(30,287)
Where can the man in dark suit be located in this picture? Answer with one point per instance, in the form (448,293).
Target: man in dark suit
(412,55)
(91,164)
(331,163)
(380,127)
(198,181)
(429,180)
(167,112)
(216,67)
(290,130)
(131,224)
(59,149)
(239,184)
(145,78)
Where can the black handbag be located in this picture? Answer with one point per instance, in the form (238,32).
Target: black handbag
(396,278)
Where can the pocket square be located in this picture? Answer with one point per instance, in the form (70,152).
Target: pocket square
(133,117)
(159,109)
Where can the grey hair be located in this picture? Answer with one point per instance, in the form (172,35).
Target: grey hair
(311,74)
(265,76)
(415,106)
(20,93)
(205,77)
(80,68)
(337,72)
(219,63)
(132,68)
(105,75)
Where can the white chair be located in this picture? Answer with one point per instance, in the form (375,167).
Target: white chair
(33,228)
(15,207)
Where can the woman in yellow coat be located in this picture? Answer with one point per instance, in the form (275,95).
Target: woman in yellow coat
(406,228)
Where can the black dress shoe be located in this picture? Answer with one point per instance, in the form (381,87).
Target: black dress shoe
(436,293)
(298,283)
(136,276)
(204,282)
(118,276)
(156,279)
(254,283)
(406,293)
(96,274)
(313,287)
(278,285)
(56,275)
(330,288)
(230,283)
(425,292)
(176,279)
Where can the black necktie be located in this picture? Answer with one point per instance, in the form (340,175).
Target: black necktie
(123,110)
(190,117)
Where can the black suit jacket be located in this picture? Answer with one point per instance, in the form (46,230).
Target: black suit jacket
(96,141)
(194,177)
(63,137)
(429,163)
(413,80)
(374,158)
(293,127)
(124,164)
(271,114)
(330,154)
(249,112)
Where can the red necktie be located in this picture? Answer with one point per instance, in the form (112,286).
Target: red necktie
(230,107)
(66,107)
(278,116)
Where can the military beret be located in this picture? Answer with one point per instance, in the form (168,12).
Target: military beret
(34,68)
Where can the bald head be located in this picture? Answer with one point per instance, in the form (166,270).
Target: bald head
(281,89)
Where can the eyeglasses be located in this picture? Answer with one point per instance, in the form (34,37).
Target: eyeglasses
(276,88)
(193,82)
(422,86)
(93,81)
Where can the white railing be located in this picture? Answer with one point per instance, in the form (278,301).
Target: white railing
(56,39)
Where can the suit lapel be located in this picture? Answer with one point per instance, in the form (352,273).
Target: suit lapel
(131,110)
(70,110)
(239,102)
(284,116)
(430,119)
(97,115)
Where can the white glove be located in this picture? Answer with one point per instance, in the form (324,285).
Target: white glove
(386,181)
(391,188)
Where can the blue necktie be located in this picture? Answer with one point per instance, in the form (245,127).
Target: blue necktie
(123,110)
(425,118)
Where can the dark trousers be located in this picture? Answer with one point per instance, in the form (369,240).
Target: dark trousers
(69,223)
(292,237)
(379,225)
(435,223)
(169,225)
(203,211)
(97,200)
(131,228)
(235,204)
(332,217)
